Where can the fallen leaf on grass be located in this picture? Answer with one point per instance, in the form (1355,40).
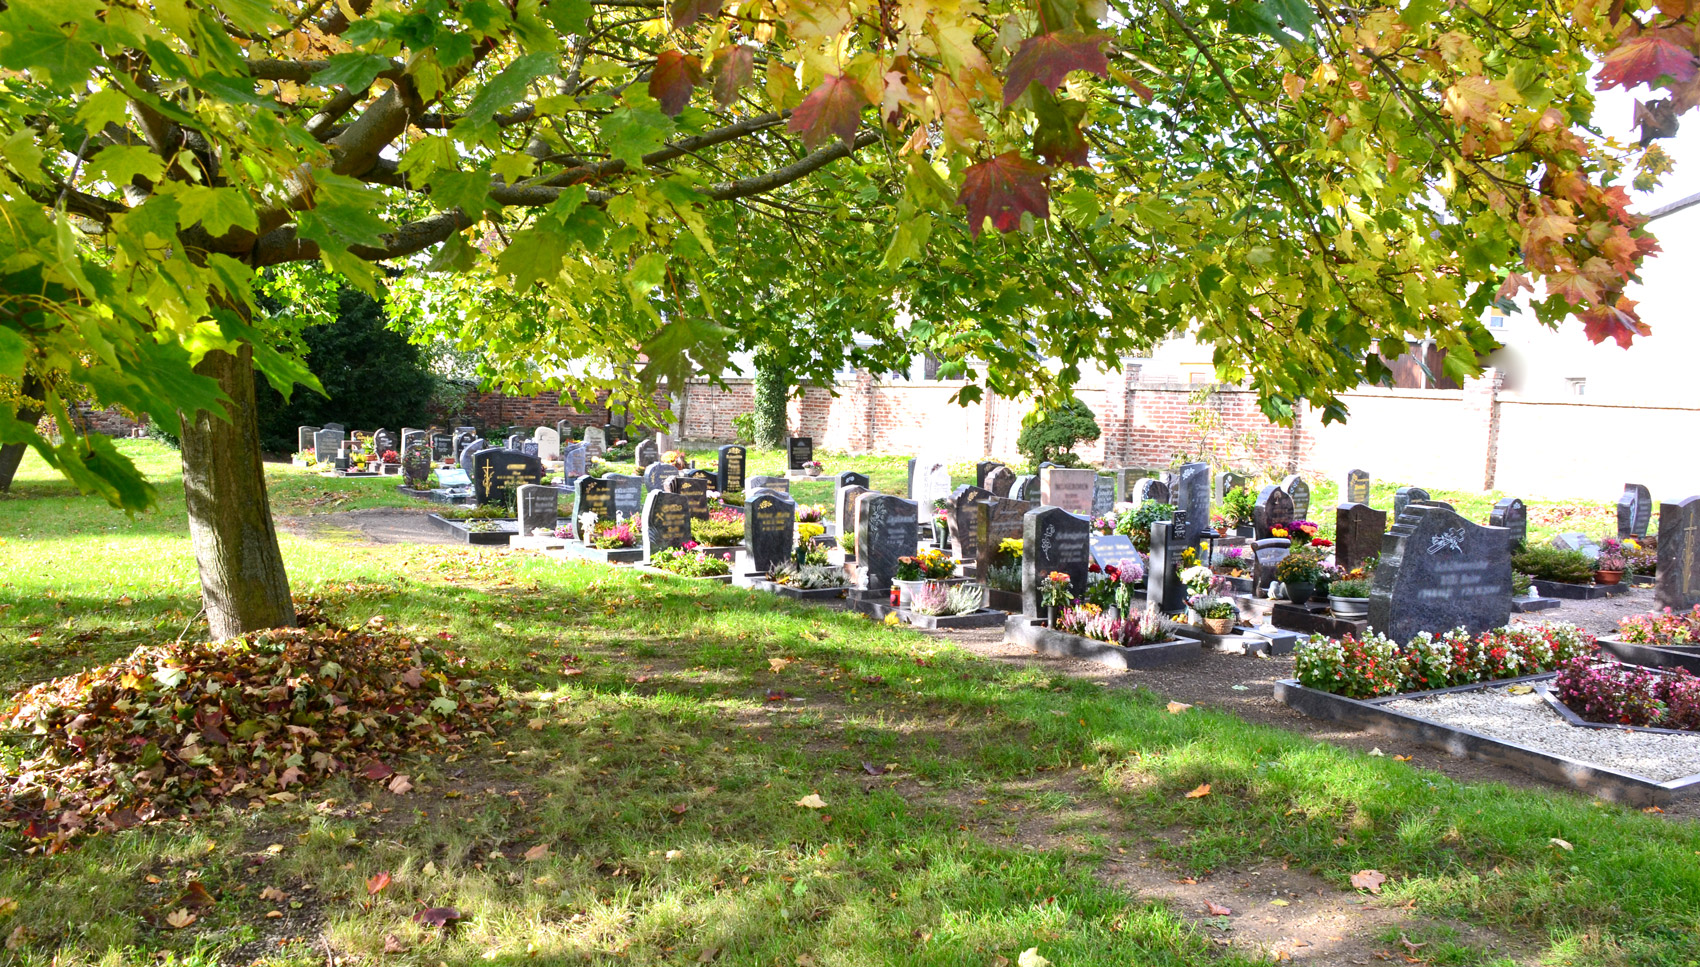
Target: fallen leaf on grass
(178,919)
(1561,844)
(679,808)
(437,916)
(1200,792)
(812,801)
(1408,945)
(1370,880)
(394,944)
(1030,958)
(1401,758)
(1176,708)
(1278,903)
(195,896)
(377,883)
(708,954)
(1000,961)
(873,770)
(1217,910)
(8,906)
(777,695)
(401,786)
(538,852)
(19,936)
(274,914)
(152,879)
(1378,753)
(778,664)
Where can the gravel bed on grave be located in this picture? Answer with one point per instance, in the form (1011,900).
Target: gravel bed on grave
(1527,720)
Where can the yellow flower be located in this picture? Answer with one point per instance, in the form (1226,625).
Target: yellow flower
(892,618)
(1011,545)
(805,531)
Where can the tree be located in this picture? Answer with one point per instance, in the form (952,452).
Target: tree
(1051,434)
(772,391)
(371,375)
(1297,181)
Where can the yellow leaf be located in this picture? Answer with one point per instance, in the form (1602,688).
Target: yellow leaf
(1176,708)
(1200,792)
(1294,85)
(1519,689)
(778,664)
(812,801)
(1561,844)
(178,919)
(1030,958)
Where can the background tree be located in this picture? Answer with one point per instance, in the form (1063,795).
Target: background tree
(1298,181)
(1051,433)
(772,392)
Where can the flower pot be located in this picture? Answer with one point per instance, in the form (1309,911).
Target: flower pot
(906,590)
(1299,593)
(1607,577)
(941,532)
(1348,607)
(1218,626)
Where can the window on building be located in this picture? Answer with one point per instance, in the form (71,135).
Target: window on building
(1497,319)
(1578,385)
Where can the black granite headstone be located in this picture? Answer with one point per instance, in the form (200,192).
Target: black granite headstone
(798,451)
(1227,482)
(304,437)
(982,470)
(845,512)
(497,474)
(1113,549)
(1163,585)
(693,489)
(1265,554)
(338,427)
(385,441)
(465,453)
(1150,488)
(1634,511)
(765,482)
(729,468)
(769,522)
(666,522)
(656,475)
(850,478)
(1053,540)
(575,460)
(539,509)
(1356,488)
(997,519)
(628,493)
(1103,495)
(1439,571)
(1299,491)
(1274,508)
(1678,581)
(887,528)
(516,441)
(1190,493)
(1514,517)
(442,445)
(1404,496)
(646,453)
(1358,529)
(1026,487)
(326,442)
(592,495)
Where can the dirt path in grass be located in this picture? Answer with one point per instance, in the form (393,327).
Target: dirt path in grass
(381,525)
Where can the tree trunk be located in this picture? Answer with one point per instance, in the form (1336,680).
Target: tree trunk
(772,387)
(12,454)
(243,583)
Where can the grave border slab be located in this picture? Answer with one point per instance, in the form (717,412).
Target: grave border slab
(707,578)
(1579,592)
(1027,630)
(759,582)
(1650,656)
(983,618)
(459,531)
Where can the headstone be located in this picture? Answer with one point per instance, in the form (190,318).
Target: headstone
(1227,482)
(497,474)
(1440,571)
(1190,493)
(338,427)
(574,460)
(646,454)
(1127,480)
(628,494)
(326,442)
(666,522)
(341,460)
(982,470)
(1113,549)
(932,484)
(798,451)
(1274,508)
(416,466)
(997,520)
(887,528)
(595,442)
(1000,481)
(548,443)
(459,441)
(1026,488)
(442,445)
(529,448)
(1150,488)
(453,478)
(1514,517)
(1265,554)
(564,429)
(1404,496)
(1163,585)
(850,478)
(1634,511)
(464,456)
(1053,540)
(1678,581)
(1069,489)
(412,437)
(514,441)
(656,475)
(763,482)
(1358,529)
(1354,489)
(470,431)
(1299,491)
(612,433)
(909,487)
(769,520)
(592,495)
(964,532)
(304,437)
(1578,541)
(693,489)
(730,468)
(384,441)
(1103,494)
(845,512)
(539,509)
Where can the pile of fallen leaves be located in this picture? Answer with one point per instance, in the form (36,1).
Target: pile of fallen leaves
(174,727)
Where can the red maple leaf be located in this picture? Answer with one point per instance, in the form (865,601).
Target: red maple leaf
(1001,189)
(1620,322)
(1643,60)
(835,107)
(675,75)
(732,68)
(687,12)
(1048,58)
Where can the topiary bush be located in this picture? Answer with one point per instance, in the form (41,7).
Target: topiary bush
(1050,434)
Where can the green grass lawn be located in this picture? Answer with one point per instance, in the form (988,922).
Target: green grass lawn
(660,770)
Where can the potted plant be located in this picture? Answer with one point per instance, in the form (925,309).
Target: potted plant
(912,572)
(1055,592)
(1299,572)
(812,468)
(941,522)
(806,552)
(1217,612)
(1349,598)
(1609,566)
(1237,507)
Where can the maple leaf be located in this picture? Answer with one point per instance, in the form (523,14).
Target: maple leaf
(538,852)
(400,785)
(1057,138)
(1001,189)
(377,883)
(290,775)
(1472,99)
(377,770)
(1200,792)
(1514,283)
(812,801)
(1573,286)
(1048,58)
(437,916)
(732,69)
(1645,59)
(178,919)
(676,74)
(1175,708)
(195,896)
(687,12)
(833,107)
(1619,322)
(1370,880)
(273,894)
(1217,910)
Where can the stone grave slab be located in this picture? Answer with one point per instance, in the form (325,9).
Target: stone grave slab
(694,490)
(1053,540)
(1440,571)
(1358,530)
(798,451)
(1274,508)
(1069,489)
(628,494)
(592,495)
(1678,585)
(1512,515)
(666,522)
(1404,496)
(964,532)
(1000,481)
(1634,511)
(1354,488)
(730,468)
(497,474)
(1299,491)
(548,443)
(887,528)
(539,508)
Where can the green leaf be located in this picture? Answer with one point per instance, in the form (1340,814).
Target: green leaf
(254,16)
(120,163)
(24,155)
(427,155)
(532,256)
(217,209)
(454,256)
(635,129)
(103,107)
(568,16)
(36,42)
(444,704)
(355,71)
(645,275)
(13,349)
(465,190)
(509,86)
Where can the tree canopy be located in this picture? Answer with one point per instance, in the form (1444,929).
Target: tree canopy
(577,178)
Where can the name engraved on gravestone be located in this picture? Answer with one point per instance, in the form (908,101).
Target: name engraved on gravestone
(326,442)
(1404,496)
(848,498)
(416,466)
(497,474)
(886,529)
(1150,488)
(769,522)
(539,509)
(1069,489)
(1226,482)
(1000,481)
(656,475)
(693,489)
(548,443)
(411,437)
(592,495)
(1514,517)
(984,469)
(764,482)
(798,451)
(730,468)
(964,532)
(1274,508)
(1190,493)
(997,519)
(1299,491)
(304,438)
(666,522)
(1439,571)
(1678,582)
(1053,540)
(628,494)
(1103,494)
(1110,549)
(646,453)
(1265,554)
(574,460)
(1355,487)
(595,442)
(1634,511)
(1358,529)
(442,445)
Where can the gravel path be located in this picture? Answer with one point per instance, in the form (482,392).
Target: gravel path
(1528,720)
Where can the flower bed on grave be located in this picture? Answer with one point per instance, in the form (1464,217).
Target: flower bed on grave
(1558,572)
(938,604)
(1374,665)
(689,562)
(807,581)
(1088,631)
(1661,639)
